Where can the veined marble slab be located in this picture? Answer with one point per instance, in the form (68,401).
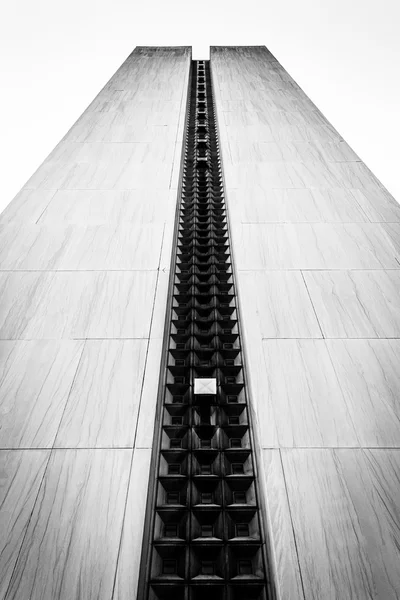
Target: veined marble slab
(299,198)
(70,153)
(95,175)
(279,174)
(144,435)
(104,401)
(118,247)
(378,204)
(131,543)
(101,207)
(368,372)
(318,151)
(345,512)
(71,545)
(276,304)
(356,304)
(324,205)
(76,304)
(21,475)
(127,125)
(304,396)
(285,566)
(111,179)
(313,246)
(27,206)
(160,305)
(35,381)
(393,233)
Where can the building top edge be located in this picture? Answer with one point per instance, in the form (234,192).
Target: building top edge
(189,48)
(256,49)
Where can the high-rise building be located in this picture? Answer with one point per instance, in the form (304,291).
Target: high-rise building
(199,335)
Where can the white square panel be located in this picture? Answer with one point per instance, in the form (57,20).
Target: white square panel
(205,386)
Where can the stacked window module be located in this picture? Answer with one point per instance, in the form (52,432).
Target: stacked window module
(204,530)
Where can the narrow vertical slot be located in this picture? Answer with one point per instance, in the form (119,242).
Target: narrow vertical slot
(203,537)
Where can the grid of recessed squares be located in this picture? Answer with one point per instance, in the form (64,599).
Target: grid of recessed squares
(206,529)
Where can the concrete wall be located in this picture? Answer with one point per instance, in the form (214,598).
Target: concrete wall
(84,256)
(316,243)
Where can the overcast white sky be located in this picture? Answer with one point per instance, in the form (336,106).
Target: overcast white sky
(55,56)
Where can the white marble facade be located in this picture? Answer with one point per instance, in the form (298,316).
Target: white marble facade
(84,266)
(85,250)
(316,244)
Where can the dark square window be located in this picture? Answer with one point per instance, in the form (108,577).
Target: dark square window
(173,498)
(205,443)
(176,420)
(179,379)
(239,497)
(232,399)
(207,567)
(169,566)
(179,362)
(228,346)
(227,331)
(245,567)
(228,379)
(206,531)
(203,345)
(175,443)
(174,469)
(180,346)
(206,498)
(242,530)
(235,443)
(177,399)
(229,362)
(181,331)
(237,468)
(171,530)
(205,469)
(234,420)
(207,398)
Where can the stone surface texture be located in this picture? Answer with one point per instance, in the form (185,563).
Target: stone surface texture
(84,264)
(316,245)
(85,251)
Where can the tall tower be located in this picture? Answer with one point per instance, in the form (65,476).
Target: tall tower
(199,323)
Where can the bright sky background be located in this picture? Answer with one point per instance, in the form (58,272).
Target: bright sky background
(55,56)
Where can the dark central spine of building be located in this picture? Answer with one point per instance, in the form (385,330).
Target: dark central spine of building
(204,536)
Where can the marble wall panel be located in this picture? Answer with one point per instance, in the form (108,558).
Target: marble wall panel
(301,205)
(369,377)
(21,475)
(71,545)
(344,506)
(115,247)
(104,401)
(316,248)
(277,305)
(82,310)
(35,381)
(127,575)
(101,207)
(313,246)
(356,304)
(305,396)
(76,304)
(27,206)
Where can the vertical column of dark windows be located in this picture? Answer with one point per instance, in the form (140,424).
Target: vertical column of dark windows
(205,540)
